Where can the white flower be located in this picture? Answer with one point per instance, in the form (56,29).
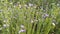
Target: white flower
(53,24)
(21,31)
(4,21)
(30,4)
(5,25)
(22,26)
(25,5)
(58,4)
(46,15)
(0,28)
(20,6)
(11,3)
(32,21)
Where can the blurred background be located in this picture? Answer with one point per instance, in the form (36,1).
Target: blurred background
(29,17)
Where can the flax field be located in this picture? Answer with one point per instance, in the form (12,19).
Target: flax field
(29,16)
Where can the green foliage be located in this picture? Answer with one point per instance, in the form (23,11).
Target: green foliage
(29,17)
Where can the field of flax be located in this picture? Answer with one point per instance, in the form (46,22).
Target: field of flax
(29,16)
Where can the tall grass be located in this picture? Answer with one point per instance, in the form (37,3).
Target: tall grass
(29,17)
